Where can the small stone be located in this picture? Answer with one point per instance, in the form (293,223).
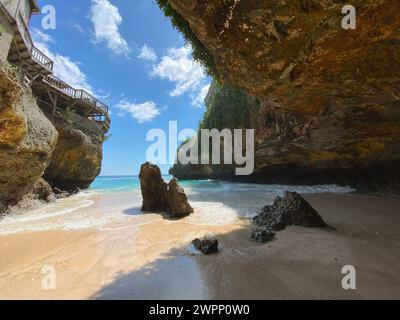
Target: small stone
(262,235)
(206,246)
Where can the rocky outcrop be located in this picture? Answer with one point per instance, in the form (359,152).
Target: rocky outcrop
(292,209)
(178,205)
(329,96)
(154,188)
(27,139)
(158,196)
(77,157)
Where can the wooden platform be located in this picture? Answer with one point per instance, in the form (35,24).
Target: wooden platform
(37,72)
(57,94)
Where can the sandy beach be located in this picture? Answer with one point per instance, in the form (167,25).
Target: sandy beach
(148,257)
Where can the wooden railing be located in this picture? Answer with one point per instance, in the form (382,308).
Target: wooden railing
(88,98)
(23,28)
(61,85)
(40,57)
(78,94)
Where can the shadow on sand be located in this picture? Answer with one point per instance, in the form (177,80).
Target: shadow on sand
(288,268)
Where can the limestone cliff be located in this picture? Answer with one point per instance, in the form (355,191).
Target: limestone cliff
(27,139)
(64,148)
(77,157)
(330,100)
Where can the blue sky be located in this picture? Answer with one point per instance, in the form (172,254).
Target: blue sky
(127,54)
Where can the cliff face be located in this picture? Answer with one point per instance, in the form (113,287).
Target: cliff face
(65,149)
(27,139)
(76,159)
(330,100)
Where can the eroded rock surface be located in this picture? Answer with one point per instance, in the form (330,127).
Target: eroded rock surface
(76,159)
(330,106)
(206,246)
(43,191)
(292,209)
(158,196)
(27,139)
(154,188)
(178,205)
(262,234)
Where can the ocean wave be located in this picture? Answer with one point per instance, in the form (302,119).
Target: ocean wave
(35,219)
(212,214)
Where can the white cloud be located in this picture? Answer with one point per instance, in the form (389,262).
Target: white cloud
(198,98)
(64,67)
(179,68)
(106,20)
(78,28)
(142,112)
(147,53)
(40,36)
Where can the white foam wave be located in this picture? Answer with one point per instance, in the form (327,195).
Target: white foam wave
(212,213)
(35,220)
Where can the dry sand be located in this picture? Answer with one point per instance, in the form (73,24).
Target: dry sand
(152,260)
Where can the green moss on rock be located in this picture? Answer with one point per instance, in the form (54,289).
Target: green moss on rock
(228,108)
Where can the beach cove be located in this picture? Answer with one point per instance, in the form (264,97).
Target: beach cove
(102,247)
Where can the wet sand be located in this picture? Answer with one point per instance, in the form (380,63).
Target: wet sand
(152,260)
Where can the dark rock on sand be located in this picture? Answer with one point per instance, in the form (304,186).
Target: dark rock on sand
(206,246)
(292,209)
(154,188)
(262,235)
(178,204)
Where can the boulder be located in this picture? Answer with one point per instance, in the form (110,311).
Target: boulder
(158,196)
(154,188)
(206,246)
(42,191)
(77,157)
(178,205)
(292,209)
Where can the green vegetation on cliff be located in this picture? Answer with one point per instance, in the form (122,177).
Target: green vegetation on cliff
(200,53)
(228,108)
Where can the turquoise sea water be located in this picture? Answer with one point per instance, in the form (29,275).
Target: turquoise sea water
(115,202)
(129,183)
